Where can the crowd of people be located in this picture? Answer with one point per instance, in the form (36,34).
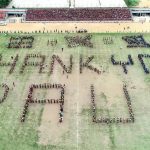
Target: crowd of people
(2,64)
(136,41)
(6,90)
(93,69)
(108,40)
(123,64)
(75,41)
(115,119)
(86,64)
(52,42)
(32,100)
(128,103)
(79,14)
(140,57)
(93,104)
(59,60)
(21,42)
(34,64)
(11,64)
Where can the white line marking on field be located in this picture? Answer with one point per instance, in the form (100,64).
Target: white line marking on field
(77,115)
(77,123)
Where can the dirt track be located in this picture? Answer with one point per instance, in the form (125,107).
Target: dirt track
(72,27)
(144,3)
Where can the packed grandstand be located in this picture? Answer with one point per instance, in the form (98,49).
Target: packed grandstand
(70,10)
(80,14)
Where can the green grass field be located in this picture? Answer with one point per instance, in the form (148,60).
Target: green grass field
(78,132)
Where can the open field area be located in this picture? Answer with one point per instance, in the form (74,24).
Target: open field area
(41,129)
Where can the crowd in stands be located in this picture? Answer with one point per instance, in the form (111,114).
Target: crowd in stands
(140,57)
(31,100)
(79,14)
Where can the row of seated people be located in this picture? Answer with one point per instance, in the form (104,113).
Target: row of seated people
(47,85)
(44,101)
(114,120)
(79,14)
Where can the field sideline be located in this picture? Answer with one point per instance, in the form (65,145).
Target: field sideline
(103,27)
(41,130)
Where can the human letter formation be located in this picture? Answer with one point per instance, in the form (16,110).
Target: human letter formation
(123,64)
(131,119)
(6,90)
(31,100)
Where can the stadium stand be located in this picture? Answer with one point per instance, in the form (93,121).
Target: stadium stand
(79,14)
(2,15)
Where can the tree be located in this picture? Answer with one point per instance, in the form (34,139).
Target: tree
(4,3)
(133,2)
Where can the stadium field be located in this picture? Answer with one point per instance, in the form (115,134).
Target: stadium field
(41,129)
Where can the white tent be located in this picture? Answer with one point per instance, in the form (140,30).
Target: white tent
(66,3)
(39,3)
(100,3)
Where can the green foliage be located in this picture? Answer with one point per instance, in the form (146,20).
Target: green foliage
(132,2)
(4,3)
